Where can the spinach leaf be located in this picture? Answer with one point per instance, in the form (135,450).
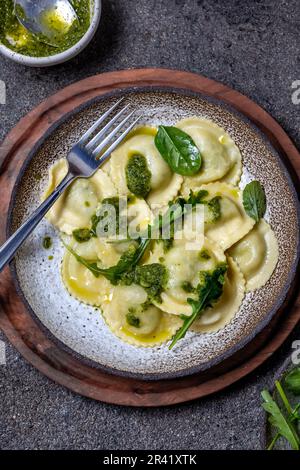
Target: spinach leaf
(209,291)
(283,424)
(254,200)
(179,150)
(292,381)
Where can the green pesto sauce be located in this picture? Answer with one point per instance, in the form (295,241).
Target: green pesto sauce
(47,243)
(188,287)
(152,277)
(108,215)
(167,244)
(203,255)
(82,235)
(14,36)
(213,213)
(215,208)
(138,176)
(133,315)
(132,319)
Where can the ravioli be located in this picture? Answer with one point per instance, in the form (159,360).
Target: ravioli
(129,317)
(233,223)
(164,184)
(137,216)
(257,255)
(80,281)
(78,203)
(183,267)
(222,312)
(143,304)
(221,158)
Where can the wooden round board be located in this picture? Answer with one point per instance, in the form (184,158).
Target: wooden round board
(26,334)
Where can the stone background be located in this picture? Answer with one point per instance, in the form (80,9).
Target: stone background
(252,46)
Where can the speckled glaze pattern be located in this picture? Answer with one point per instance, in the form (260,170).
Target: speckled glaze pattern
(80,327)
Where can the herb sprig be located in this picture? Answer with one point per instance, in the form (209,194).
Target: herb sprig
(209,291)
(292,381)
(282,416)
(211,286)
(127,261)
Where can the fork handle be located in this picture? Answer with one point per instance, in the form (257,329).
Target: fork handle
(9,248)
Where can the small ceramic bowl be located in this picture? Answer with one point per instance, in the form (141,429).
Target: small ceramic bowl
(62,56)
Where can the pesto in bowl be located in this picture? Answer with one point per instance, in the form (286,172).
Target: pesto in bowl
(15,37)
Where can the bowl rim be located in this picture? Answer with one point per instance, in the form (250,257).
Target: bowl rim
(61,56)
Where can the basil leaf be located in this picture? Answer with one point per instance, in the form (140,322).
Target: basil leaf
(292,381)
(179,150)
(254,200)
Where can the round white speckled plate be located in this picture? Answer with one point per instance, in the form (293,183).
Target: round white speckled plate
(80,328)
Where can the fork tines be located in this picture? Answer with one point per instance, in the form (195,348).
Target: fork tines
(100,141)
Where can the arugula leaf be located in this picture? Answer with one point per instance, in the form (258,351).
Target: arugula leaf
(179,150)
(209,291)
(254,200)
(292,381)
(130,258)
(295,416)
(91,265)
(127,261)
(279,421)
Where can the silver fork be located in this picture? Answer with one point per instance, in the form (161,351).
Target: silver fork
(83,163)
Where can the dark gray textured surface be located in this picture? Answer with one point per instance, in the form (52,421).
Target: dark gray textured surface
(252,46)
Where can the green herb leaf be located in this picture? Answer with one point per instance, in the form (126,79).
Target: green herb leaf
(127,261)
(91,265)
(295,416)
(254,200)
(209,291)
(279,421)
(292,381)
(179,150)
(124,269)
